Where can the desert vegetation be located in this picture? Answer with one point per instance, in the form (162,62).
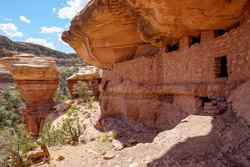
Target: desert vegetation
(62,92)
(14,140)
(16,143)
(67,131)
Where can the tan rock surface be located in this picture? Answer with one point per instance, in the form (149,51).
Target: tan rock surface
(148,80)
(88,74)
(37,80)
(28,67)
(197,141)
(240,99)
(107,32)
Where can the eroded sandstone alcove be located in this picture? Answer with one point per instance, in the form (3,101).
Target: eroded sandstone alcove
(164,59)
(36,79)
(89,75)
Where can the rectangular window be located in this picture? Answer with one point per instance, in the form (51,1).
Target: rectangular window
(195,40)
(219,32)
(221,67)
(171,48)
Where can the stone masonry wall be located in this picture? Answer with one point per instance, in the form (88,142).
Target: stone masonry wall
(138,89)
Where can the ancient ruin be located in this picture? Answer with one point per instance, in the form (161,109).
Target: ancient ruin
(88,74)
(164,60)
(36,79)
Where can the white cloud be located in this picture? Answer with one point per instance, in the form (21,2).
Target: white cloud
(49,30)
(41,41)
(24,19)
(71,9)
(10,30)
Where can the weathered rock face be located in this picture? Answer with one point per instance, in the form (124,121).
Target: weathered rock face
(107,32)
(36,79)
(90,75)
(240,98)
(176,59)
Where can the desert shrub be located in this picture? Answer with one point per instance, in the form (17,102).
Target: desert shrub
(67,132)
(14,146)
(62,92)
(108,136)
(14,140)
(84,93)
(51,136)
(81,90)
(10,103)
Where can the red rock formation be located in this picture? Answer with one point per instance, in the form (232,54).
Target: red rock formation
(107,31)
(90,75)
(36,79)
(164,59)
(240,99)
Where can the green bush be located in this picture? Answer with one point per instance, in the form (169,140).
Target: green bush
(14,146)
(10,103)
(68,132)
(14,140)
(82,91)
(62,92)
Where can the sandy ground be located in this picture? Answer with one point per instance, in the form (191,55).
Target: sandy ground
(197,141)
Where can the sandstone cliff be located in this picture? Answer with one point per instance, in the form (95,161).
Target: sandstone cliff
(163,59)
(107,31)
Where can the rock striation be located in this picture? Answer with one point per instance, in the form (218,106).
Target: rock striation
(37,80)
(108,31)
(163,59)
(88,74)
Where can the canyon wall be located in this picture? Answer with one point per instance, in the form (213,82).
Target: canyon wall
(179,62)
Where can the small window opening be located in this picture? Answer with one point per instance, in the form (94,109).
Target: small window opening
(171,48)
(220,32)
(195,40)
(205,100)
(221,69)
(237,24)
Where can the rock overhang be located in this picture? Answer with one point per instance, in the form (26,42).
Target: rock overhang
(108,32)
(88,73)
(28,67)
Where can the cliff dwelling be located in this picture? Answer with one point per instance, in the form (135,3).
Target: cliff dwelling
(146,83)
(164,60)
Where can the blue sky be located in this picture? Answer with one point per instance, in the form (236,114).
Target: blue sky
(38,21)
